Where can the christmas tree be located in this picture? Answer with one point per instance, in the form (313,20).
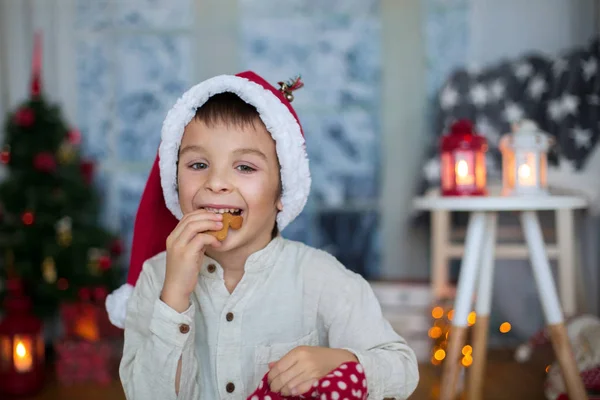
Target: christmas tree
(50,235)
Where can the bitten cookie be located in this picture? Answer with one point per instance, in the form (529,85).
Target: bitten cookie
(229,221)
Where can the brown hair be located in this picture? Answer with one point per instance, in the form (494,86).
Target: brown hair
(229,109)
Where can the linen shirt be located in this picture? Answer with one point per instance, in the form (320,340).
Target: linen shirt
(290,295)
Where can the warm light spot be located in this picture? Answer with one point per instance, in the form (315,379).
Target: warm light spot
(435,362)
(467,360)
(471,318)
(547,368)
(467,350)
(462,168)
(505,327)
(435,332)
(437,312)
(524,171)
(21,350)
(450,314)
(439,355)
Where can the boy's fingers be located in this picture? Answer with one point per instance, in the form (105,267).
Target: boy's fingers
(194,228)
(199,215)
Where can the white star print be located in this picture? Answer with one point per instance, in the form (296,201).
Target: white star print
(560,66)
(432,170)
(479,95)
(570,104)
(555,109)
(582,137)
(536,87)
(590,67)
(498,88)
(523,70)
(487,129)
(513,112)
(449,97)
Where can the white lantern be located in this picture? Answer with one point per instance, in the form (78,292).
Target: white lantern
(525,160)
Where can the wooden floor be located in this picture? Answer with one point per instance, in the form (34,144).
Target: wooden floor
(505,379)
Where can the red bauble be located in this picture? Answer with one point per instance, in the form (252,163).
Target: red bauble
(28,218)
(116,247)
(74,137)
(24,117)
(100,293)
(44,162)
(104,262)
(87,171)
(5,156)
(85,294)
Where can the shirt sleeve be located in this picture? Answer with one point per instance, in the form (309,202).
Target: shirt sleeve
(156,337)
(354,320)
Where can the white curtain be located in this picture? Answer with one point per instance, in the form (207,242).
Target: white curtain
(19,20)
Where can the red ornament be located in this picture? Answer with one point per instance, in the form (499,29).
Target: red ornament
(27,218)
(24,117)
(462,163)
(116,247)
(5,156)
(44,162)
(100,293)
(22,359)
(87,171)
(74,137)
(85,294)
(62,284)
(104,262)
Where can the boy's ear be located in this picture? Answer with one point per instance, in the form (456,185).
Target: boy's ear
(279,204)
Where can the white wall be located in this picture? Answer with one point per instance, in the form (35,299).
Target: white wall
(508,28)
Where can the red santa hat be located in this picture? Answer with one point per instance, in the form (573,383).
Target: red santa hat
(159,210)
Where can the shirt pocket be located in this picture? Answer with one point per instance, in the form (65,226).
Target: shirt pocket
(264,354)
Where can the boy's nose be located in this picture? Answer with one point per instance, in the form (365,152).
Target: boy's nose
(217,183)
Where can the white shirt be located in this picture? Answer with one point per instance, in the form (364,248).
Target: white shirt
(290,295)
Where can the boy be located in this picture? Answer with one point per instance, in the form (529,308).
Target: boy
(208,318)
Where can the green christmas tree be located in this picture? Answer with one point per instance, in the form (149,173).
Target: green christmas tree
(50,234)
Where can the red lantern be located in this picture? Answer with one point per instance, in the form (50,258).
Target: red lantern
(21,345)
(462,161)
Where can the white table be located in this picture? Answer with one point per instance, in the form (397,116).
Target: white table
(477,267)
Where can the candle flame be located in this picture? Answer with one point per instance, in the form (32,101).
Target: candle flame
(462,168)
(21,350)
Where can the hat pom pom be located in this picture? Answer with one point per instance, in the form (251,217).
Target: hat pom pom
(116,305)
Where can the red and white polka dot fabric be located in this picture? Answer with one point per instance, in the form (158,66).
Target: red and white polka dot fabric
(346,382)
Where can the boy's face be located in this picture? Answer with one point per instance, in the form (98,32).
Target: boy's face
(231,167)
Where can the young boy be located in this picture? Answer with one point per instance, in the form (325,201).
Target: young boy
(207,319)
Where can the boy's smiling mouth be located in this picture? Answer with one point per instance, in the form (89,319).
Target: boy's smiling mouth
(223,210)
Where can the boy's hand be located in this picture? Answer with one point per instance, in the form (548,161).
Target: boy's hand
(185,250)
(295,373)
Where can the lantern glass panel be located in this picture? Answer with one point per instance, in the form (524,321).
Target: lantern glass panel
(447,175)
(5,353)
(480,170)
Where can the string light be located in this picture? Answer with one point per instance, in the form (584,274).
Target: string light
(505,327)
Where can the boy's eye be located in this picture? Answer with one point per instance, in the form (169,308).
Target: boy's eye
(198,165)
(245,168)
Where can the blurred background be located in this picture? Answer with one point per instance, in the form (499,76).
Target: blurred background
(372,109)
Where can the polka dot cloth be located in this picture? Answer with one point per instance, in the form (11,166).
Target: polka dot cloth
(346,382)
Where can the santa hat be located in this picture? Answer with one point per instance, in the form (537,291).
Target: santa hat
(159,209)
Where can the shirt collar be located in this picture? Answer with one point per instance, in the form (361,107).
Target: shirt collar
(260,260)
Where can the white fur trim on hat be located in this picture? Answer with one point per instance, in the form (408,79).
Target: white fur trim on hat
(279,121)
(116,305)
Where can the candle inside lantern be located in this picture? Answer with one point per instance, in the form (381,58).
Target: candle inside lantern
(525,170)
(22,355)
(464,176)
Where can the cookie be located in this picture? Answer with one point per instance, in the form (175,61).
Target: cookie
(229,221)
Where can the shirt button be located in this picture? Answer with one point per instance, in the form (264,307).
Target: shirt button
(230,387)
(211,268)
(229,316)
(184,328)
